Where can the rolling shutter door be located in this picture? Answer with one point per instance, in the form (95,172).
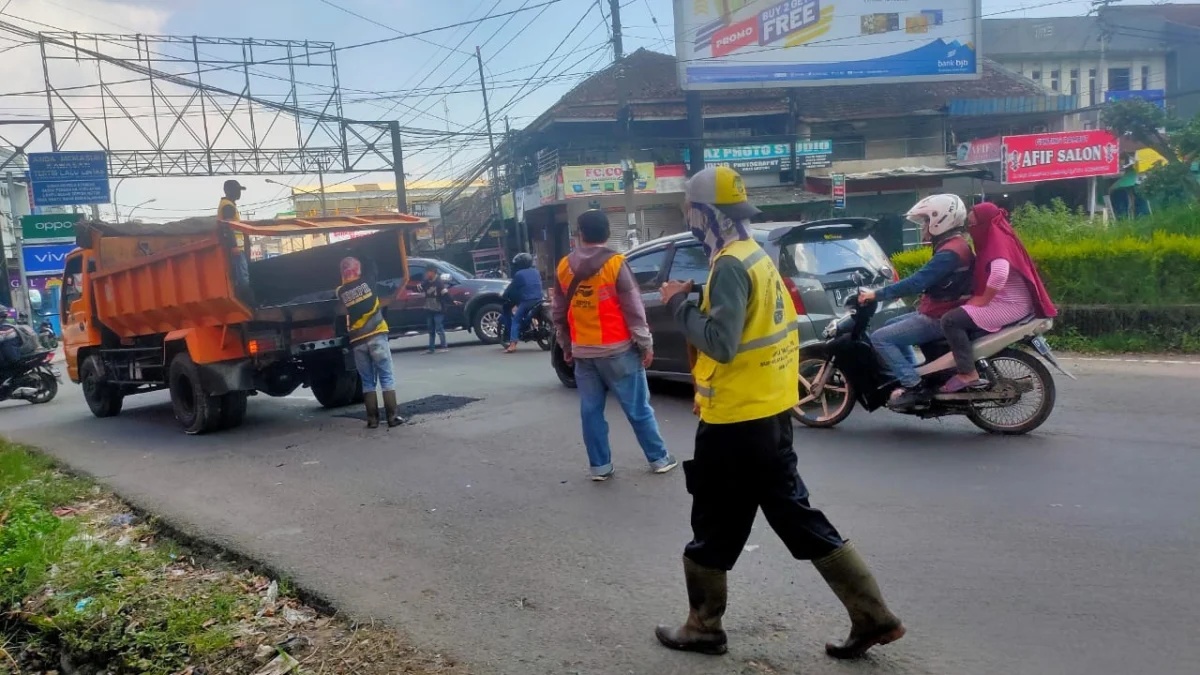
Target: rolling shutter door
(661,221)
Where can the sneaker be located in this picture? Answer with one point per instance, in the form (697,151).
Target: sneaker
(665,465)
(443,350)
(601,477)
(428,351)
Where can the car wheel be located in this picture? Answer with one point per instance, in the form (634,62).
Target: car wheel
(487,323)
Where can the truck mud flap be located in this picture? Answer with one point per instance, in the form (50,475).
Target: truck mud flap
(222,378)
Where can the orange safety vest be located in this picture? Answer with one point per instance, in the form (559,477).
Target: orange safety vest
(595,312)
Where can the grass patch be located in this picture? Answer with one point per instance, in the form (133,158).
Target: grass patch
(82,580)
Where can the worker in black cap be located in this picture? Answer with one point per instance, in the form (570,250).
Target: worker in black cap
(227,210)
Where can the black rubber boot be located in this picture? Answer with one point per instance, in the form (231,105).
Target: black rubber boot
(389,409)
(702,632)
(371,399)
(871,622)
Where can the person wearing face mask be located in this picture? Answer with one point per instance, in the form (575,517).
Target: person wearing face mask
(743,335)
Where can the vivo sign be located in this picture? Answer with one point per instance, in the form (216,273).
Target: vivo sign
(46,259)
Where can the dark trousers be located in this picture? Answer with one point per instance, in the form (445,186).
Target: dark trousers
(958,328)
(739,468)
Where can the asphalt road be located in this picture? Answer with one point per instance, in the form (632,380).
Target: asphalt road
(476,531)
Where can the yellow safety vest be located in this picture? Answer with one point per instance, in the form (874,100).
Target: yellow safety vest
(238,240)
(762,379)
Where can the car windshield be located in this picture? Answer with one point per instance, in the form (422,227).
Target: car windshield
(456,270)
(832,256)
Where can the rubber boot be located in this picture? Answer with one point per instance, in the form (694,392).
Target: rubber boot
(702,632)
(389,409)
(871,622)
(371,399)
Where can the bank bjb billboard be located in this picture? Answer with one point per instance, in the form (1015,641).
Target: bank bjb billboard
(723,44)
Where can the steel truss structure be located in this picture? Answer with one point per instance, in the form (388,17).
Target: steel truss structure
(163,105)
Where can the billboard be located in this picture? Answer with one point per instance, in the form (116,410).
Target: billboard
(737,44)
(979,151)
(768,157)
(1059,156)
(600,179)
(69,178)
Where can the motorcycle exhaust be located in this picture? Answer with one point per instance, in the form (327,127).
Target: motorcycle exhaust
(24,393)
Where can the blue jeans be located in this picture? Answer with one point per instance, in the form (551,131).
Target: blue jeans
(519,318)
(373,359)
(436,322)
(895,340)
(624,376)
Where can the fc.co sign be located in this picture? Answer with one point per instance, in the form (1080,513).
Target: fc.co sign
(51,226)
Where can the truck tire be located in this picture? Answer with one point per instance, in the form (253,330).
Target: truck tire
(103,399)
(195,410)
(233,409)
(336,389)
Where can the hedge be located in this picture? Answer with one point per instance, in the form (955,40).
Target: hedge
(1161,270)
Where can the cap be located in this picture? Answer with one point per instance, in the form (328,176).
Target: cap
(722,187)
(234,184)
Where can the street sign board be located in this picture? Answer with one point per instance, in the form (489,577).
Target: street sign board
(838,183)
(1060,155)
(47,259)
(69,178)
(736,44)
(52,227)
(1156,97)
(768,157)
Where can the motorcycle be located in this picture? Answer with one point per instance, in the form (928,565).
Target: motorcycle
(540,328)
(845,370)
(46,335)
(31,378)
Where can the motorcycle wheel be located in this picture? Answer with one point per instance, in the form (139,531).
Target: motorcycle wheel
(833,404)
(1030,409)
(543,331)
(47,389)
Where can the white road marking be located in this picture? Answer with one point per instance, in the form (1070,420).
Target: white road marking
(1116,360)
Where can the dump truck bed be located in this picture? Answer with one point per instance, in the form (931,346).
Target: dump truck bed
(158,280)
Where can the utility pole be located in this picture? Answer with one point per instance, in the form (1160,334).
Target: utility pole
(321,183)
(624,126)
(487,114)
(17,245)
(398,167)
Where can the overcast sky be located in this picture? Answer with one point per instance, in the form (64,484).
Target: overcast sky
(513,47)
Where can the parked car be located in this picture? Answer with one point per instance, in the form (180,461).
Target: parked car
(476,308)
(822,263)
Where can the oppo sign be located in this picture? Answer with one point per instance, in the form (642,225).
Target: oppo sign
(53,226)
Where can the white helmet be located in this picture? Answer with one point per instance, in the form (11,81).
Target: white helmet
(938,214)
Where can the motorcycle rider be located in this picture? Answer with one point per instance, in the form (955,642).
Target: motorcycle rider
(10,340)
(524,292)
(944,284)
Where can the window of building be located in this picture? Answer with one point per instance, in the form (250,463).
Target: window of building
(1092,86)
(1074,82)
(1036,76)
(1145,77)
(1055,76)
(1118,79)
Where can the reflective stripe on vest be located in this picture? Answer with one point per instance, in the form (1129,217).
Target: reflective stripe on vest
(362,306)
(761,381)
(595,314)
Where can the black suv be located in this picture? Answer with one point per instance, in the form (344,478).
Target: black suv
(822,263)
(477,302)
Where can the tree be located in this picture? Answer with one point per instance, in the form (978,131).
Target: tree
(1178,142)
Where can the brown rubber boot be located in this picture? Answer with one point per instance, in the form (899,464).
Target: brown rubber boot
(371,399)
(389,409)
(702,632)
(871,622)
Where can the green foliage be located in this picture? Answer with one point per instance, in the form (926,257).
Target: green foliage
(1177,141)
(118,602)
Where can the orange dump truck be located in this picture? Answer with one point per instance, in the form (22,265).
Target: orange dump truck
(217,311)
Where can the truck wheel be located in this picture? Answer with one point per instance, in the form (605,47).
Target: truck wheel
(195,410)
(233,409)
(336,389)
(104,400)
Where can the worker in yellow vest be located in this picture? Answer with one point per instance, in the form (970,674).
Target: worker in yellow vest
(227,210)
(746,370)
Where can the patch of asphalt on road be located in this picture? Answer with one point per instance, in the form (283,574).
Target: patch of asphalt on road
(427,405)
